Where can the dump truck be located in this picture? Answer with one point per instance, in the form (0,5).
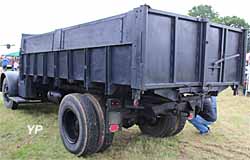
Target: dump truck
(146,67)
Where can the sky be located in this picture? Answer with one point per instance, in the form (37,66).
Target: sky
(36,17)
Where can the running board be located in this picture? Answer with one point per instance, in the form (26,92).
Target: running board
(22,100)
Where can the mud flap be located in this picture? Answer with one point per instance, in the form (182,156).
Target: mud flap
(114,121)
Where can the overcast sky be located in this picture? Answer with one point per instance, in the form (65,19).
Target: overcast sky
(34,17)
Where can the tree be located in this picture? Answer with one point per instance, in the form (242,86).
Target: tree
(206,11)
(234,21)
(203,11)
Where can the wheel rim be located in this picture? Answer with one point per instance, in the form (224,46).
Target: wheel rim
(71,126)
(6,92)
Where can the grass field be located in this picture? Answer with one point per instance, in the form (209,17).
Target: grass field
(229,139)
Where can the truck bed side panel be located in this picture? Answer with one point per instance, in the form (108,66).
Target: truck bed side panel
(144,49)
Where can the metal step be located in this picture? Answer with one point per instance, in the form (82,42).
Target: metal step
(22,100)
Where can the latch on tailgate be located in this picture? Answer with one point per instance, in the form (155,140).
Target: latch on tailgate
(222,60)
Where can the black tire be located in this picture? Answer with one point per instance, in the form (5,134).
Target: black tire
(164,126)
(108,140)
(78,124)
(8,103)
(105,139)
(180,124)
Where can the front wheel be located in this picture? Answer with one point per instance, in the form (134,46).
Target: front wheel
(164,125)
(8,103)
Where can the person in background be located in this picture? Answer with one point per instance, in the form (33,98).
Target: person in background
(5,62)
(15,65)
(12,61)
(205,118)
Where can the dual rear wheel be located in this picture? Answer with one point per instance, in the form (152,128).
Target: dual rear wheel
(164,125)
(82,124)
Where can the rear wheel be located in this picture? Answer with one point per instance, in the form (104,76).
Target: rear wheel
(8,103)
(78,124)
(180,124)
(82,123)
(105,139)
(163,126)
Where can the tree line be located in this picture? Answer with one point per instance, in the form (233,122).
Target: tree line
(206,11)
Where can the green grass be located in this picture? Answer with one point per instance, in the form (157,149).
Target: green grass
(229,139)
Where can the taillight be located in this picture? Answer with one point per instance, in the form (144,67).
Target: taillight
(113,128)
(190,116)
(114,103)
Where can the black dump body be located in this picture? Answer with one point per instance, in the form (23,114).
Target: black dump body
(143,49)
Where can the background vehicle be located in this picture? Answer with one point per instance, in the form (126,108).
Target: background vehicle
(146,67)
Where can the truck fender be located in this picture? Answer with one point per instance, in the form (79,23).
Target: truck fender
(12,79)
